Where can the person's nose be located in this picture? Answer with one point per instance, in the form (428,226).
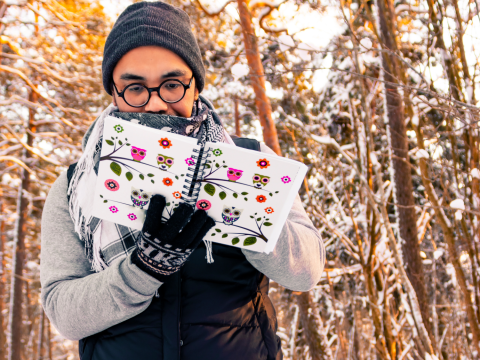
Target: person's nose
(156,104)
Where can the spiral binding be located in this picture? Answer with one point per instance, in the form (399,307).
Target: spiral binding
(193,189)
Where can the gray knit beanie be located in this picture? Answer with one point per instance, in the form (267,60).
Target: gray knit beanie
(152,23)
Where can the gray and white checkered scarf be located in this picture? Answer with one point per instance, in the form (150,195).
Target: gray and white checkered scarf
(106,241)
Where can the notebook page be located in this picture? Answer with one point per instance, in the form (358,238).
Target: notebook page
(137,162)
(249,194)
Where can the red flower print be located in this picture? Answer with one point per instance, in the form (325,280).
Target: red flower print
(286,179)
(132,216)
(112,185)
(269,210)
(165,143)
(167,182)
(113,209)
(263,163)
(177,195)
(261,198)
(203,204)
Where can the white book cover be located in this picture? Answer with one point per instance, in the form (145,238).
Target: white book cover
(248,193)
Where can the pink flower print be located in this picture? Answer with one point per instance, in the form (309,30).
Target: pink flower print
(113,209)
(190,161)
(112,185)
(203,205)
(132,216)
(286,179)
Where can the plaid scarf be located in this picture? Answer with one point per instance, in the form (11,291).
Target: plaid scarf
(106,241)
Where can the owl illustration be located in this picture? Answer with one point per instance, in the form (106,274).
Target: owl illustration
(230,214)
(140,198)
(138,154)
(260,181)
(164,162)
(234,174)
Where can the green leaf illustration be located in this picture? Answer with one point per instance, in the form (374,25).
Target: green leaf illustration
(129,176)
(222,195)
(246,199)
(105,201)
(217,165)
(224,236)
(128,144)
(267,224)
(213,234)
(235,241)
(207,166)
(270,194)
(225,166)
(251,216)
(141,176)
(276,192)
(249,241)
(176,177)
(120,142)
(101,196)
(168,204)
(244,193)
(218,230)
(258,219)
(109,142)
(117,169)
(150,175)
(209,189)
(153,182)
(235,195)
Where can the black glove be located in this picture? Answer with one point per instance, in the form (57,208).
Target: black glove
(162,248)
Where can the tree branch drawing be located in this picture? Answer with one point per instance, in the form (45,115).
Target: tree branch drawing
(117,161)
(250,235)
(212,183)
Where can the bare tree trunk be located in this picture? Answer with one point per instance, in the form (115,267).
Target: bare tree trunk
(16,296)
(449,237)
(49,340)
(405,203)
(238,131)
(3,340)
(40,335)
(313,329)
(257,77)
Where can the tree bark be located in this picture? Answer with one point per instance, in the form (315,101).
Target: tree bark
(257,78)
(238,131)
(405,203)
(16,296)
(3,340)
(313,329)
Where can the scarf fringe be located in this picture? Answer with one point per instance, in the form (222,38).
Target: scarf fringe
(78,187)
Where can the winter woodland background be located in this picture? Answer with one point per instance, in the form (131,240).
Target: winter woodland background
(377,97)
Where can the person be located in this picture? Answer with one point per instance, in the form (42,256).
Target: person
(111,287)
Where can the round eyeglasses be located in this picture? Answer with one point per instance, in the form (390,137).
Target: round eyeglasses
(138,95)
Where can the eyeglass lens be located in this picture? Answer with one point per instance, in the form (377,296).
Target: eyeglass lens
(137,94)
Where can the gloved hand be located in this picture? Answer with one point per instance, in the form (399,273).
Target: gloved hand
(162,248)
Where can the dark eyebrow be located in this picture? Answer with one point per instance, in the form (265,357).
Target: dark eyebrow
(128,76)
(174,73)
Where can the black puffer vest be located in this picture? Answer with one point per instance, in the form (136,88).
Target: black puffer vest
(204,311)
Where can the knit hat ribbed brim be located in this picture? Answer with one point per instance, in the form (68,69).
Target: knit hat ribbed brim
(152,23)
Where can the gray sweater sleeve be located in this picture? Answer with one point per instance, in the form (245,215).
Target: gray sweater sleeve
(299,257)
(78,301)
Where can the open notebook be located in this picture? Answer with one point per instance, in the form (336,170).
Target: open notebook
(248,193)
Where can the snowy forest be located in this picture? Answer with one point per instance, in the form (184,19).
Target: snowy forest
(378,98)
